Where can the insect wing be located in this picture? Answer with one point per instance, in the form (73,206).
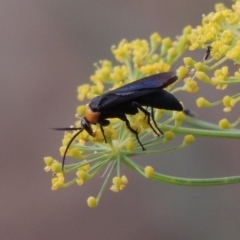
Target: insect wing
(160,80)
(160,99)
(133,90)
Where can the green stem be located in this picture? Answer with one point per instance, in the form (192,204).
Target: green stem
(201,124)
(218,63)
(71,167)
(205,133)
(184,181)
(147,152)
(105,182)
(128,162)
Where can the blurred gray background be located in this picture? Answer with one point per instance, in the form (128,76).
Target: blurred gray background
(47,49)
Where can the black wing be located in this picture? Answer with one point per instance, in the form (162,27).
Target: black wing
(133,90)
(160,99)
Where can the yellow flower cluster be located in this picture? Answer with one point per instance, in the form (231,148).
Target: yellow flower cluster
(219,33)
(82,174)
(119,183)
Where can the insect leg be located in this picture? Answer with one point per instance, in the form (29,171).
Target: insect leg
(155,124)
(124,118)
(148,117)
(102,130)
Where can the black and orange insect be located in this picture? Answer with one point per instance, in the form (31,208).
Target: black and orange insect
(129,99)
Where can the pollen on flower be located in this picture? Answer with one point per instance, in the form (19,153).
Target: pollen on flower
(227,36)
(124,179)
(234,53)
(219,7)
(172,53)
(81,174)
(119,73)
(48,161)
(79,182)
(101,74)
(62,150)
(188,139)
(189,62)
(149,171)
(140,46)
(232,18)
(92,202)
(118,183)
(237,73)
(203,103)
(142,120)
(159,113)
(81,110)
(56,167)
(179,117)
(219,49)
(98,137)
(47,168)
(58,181)
(82,91)
(65,141)
(216,17)
(187,30)
(114,188)
(190,85)
(121,187)
(86,166)
(107,132)
(75,152)
(220,75)
(166,44)
(224,124)
(151,69)
(122,52)
(114,134)
(227,103)
(199,66)
(203,77)
(138,60)
(155,40)
(182,72)
(130,145)
(168,136)
(222,72)
(194,46)
(84,135)
(233,102)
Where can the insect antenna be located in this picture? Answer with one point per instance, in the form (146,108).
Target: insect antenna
(71,140)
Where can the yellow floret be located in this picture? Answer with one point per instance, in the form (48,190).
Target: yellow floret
(149,171)
(92,202)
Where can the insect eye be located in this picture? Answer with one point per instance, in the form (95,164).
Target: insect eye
(87,126)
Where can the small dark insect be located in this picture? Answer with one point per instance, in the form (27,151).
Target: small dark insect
(207,54)
(129,99)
